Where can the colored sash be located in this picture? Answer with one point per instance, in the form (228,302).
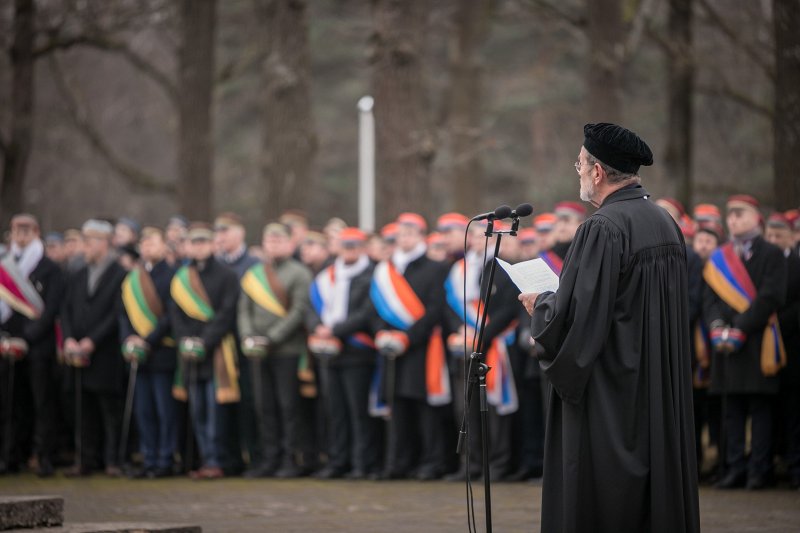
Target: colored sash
(321,295)
(501,391)
(142,304)
(727,276)
(553,261)
(398,304)
(17,291)
(262,285)
(702,352)
(189,294)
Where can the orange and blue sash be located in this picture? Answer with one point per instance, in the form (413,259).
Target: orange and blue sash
(553,261)
(702,353)
(728,278)
(501,391)
(398,304)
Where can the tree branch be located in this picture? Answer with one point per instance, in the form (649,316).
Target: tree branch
(133,175)
(740,98)
(717,20)
(641,21)
(109,45)
(578,22)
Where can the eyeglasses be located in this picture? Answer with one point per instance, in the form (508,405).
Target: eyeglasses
(578,165)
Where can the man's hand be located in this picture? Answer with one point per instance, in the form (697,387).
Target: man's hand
(323,331)
(528,299)
(71,346)
(87,346)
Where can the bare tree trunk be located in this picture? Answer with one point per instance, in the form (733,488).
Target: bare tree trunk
(196,87)
(786,120)
(289,142)
(472,19)
(606,33)
(678,157)
(405,147)
(17,147)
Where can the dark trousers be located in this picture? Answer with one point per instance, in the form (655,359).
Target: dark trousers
(353,438)
(102,422)
(706,412)
(789,402)
(416,437)
(156,420)
(248,432)
(759,407)
(16,412)
(277,414)
(203,405)
(529,424)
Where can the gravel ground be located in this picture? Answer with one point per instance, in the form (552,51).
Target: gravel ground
(239,505)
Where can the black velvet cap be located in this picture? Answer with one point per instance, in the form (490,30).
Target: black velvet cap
(617,147)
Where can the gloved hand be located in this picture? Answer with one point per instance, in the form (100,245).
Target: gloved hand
(136,349)
(192,349)
(15,348)
(255,346)
(391,342)
(324,345)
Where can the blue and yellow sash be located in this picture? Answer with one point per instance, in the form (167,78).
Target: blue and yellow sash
(501,390)
(189,294)
(398,304)
(728,278)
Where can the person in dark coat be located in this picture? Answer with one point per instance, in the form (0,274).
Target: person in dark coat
(92,305)
(37,332)
(741,368)
(408,294)
(619,445)
(203,316)
(779,233)
(147,341)
(340,320)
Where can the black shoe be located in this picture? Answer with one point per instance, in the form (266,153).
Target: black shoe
(260,471)
(45,468)
(138,473)
(732,480)
(329,472)
(289,472)
(524,474)
(759,482)
(356,474)
(460,475)
(388,475)
(428,474)
(159,473)
(75,471)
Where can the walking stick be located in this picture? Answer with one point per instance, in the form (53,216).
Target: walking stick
(723,408)
(126,417)
(189,459)
(258,396)
(78,420)
(390,382)
(9,426)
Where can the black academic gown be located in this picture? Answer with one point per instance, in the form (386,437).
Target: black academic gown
(619,448)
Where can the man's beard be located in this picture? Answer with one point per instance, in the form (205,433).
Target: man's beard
(587,191)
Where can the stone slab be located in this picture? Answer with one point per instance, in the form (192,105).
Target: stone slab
(117,527)
(30,511)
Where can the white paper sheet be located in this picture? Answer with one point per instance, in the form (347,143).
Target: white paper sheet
(531,276)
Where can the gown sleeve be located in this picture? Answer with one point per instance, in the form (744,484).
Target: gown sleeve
(572,324)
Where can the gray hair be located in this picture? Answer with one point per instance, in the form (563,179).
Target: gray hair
(615,176)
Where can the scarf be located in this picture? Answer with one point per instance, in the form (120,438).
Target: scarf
(402,259)
(26,261)
(335,309)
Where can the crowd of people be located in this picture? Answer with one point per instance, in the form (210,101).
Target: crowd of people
(157,351)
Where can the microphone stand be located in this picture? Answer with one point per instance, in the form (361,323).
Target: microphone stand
(476,373)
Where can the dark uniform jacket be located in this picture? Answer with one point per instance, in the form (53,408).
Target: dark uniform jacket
(789,318)
(96,316)
(222,286)
(426,278)
(360,313)
(162,357)
(767,269)
(40,334)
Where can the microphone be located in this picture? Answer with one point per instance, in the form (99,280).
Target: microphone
(500,213)
(522,210)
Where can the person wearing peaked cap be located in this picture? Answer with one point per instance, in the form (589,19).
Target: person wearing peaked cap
(73,250)
(620,313)
(545,225)
(437,246)
(787,412)
(314,251)
(416,381)
(340,325)
(297,220)
(569,216)
(707,213)
(89,322)
(452,227)
(126,232)
(529,243)
(54,248)
(708,238)
(29,324)
(738,326)
(793,216)
(271,314)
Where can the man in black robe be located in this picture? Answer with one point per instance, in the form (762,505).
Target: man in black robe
(619,445)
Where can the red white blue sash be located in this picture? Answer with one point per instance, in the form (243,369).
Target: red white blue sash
(398,304)
(727,276)
(553,261)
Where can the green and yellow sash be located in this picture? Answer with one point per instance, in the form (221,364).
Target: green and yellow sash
(142,304)
(262,285)
(189,294)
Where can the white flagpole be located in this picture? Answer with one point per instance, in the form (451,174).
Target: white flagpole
(366,164)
